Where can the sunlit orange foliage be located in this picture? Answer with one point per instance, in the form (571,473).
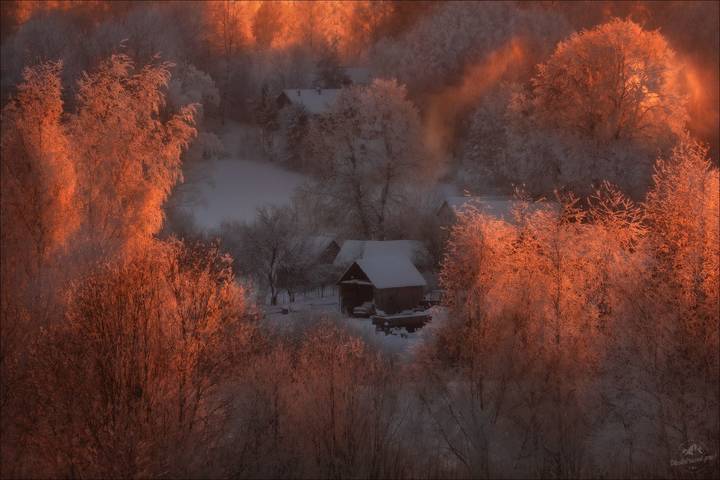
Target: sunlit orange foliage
(345,405)
(39,201)
(544,307)
(616,81)
(89,184)
(539,275)
(688,244)
(131,381)
(38,215)
(128,157)
(282,24)
(26,9)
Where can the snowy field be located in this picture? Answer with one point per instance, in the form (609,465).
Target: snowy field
(242,181)
(238,187)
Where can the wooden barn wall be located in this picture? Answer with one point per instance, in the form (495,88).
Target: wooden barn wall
(394,300)
(352,296)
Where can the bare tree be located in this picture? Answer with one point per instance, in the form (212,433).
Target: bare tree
(371,143)
(270,250)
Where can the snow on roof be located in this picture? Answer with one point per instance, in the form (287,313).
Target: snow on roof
(499,206)
(314,100)
(317,244)
(391,271)
(358,75)
(351,250)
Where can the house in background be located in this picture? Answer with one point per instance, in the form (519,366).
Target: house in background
(315,101)
(322,249)
(392,283)
(499,206)
(358,75)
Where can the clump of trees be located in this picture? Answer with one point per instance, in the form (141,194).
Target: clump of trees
(568,322)
(277,252)
(600,107)
(116,346)
(136,370)
(584,329)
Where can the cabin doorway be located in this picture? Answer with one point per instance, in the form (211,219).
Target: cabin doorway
(353,295)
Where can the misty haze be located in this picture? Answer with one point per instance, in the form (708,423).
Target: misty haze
(359,239)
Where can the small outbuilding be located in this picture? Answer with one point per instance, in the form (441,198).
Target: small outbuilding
(499,206)
(393,284)
(314,100)
(322,249)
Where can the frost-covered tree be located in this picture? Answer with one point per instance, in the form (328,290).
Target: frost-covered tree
(601,108)
(137,367)
(267,23)
(484,150)
(614,82)
(330,73)
(128,157)
(39,177)
(609,313)
(677,329)
(434,51)
(293,142)
(39,214)
(190,86)
(50,37)
(88,347)
(371,143)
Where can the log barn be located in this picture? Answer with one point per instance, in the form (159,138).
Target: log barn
(393,284)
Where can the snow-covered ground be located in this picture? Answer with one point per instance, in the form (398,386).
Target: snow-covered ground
(238,187)
(242,181)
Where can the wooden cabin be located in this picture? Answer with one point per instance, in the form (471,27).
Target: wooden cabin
(393,284)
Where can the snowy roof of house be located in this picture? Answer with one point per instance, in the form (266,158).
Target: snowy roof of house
(317,244)
(314,100)
(351,250)
(499,206)
(390,271)
(358,75)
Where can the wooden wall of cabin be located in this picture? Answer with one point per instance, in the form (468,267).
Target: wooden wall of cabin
(394,300)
